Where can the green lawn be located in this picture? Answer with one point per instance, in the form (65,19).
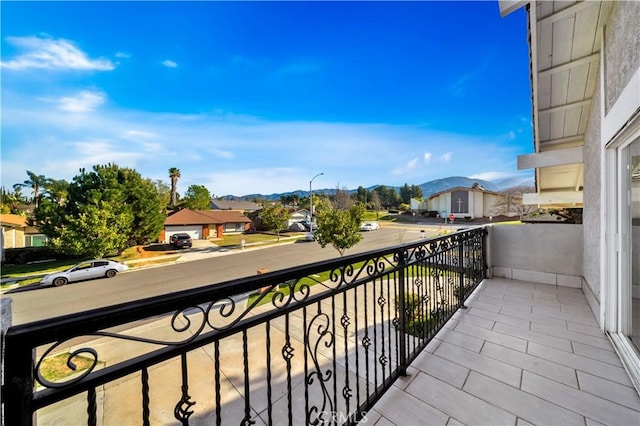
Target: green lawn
(383,215)
(236,239)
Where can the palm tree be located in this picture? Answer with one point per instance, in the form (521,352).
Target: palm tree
(57,190)
(35,182)
(174,174)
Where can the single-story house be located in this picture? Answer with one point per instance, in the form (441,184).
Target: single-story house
(17,233)
(243,206)
(203,224)
(474,202)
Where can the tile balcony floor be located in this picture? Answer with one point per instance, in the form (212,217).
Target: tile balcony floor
(522,353)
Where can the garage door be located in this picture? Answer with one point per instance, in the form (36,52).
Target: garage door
(194,231)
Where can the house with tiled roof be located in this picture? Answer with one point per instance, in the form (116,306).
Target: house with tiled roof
(244,206)
(16,232)
(203,224)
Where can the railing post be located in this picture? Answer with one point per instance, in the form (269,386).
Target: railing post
(461,265)
(402,323)
(485,260)
(17,390)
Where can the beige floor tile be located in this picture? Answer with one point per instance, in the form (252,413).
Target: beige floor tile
(614,392)
(403,408)
(600,342)
(493,336)
(548,369)
(601,355)
(504,319)
(572,399)
(480,363)
(588,365)
(460,405)
(522,404)
(443,369)
(463,340)
(532,336)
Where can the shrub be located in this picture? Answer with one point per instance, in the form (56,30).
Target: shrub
(417,319)
(21,256)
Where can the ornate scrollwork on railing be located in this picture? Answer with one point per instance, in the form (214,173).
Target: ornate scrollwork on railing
(182,410)
(282,299)
(72,366)
(318,333)
(371,268)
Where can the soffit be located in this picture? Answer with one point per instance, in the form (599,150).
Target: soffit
(565,42)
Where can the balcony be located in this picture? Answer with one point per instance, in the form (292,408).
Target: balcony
(522,353)
(382,337)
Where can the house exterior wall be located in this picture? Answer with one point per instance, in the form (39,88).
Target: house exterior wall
(621,56)
(622,49)
(13,238)
(592,199)
(545,253)
(489,201)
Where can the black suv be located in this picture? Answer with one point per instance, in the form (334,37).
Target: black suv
(181,240)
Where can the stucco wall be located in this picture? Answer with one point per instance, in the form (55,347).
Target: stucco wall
(547,253)
(592,211)
(622,49)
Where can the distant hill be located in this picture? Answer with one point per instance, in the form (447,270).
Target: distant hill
(428,188)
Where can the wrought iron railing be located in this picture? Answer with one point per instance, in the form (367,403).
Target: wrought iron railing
(315,344)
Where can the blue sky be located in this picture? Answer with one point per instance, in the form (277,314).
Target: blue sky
(258,97)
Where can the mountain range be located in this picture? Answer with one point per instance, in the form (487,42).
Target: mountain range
(428,188)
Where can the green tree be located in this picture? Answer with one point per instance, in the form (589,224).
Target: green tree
(197,197)
(416,191)
(164,192)
(405,193)
(174,175)
(99,229)
(56,190)
(12,202)
(106,209)
(376,203)
(275,218)
(340,228)
(35,182)
(362,195)
(342,199)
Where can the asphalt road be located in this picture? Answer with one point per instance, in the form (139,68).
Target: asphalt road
(28,306)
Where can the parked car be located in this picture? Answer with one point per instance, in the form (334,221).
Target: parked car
(98,268)
(369,226)
(310,236)
(309,226)
(181,240)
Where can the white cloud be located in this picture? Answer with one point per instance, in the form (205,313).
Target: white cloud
(511,135)
(491,176)
(169,63)
(446,157)
(235,154)
(427,157)
(48,53)
(122,55)
(82,102)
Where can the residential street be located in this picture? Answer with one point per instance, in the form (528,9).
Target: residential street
(198,267)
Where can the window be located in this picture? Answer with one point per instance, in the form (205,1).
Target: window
(621,287)
(35,240)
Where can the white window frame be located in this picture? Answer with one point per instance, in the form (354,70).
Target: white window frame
(616,291)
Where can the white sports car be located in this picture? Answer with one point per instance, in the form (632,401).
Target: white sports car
(85,271)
